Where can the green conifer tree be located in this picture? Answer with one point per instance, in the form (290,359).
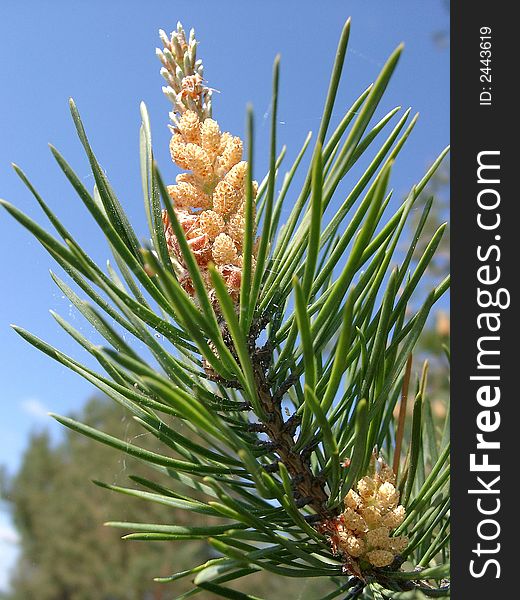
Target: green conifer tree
(283,355)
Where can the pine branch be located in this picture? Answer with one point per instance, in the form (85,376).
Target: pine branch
(308,494)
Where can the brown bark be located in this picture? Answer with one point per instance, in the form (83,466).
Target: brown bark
(310,490)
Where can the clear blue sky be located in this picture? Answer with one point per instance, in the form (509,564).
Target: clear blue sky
(102,54)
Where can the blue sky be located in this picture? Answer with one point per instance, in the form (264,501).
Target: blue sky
(102,54)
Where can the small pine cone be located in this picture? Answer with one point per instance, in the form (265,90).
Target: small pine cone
(189,126)
(168,231)
(180,36)
(385,474)
(206,277)
(204,187)
(366,487)
(394,518)
(380,558)
(178,199)
(398,544)
(210,137)
(198,161)
(387,496)
(242,205)
(353,545)
(352,500)
(233,277)
(237,175)
(372,517)
(255,192)
(201,248)
(211,223)
(187,195)
(354,521)
(191,86)
(224,250)
(225,198)
(241,209)
(231,155)
(240,263)
(187,284)
(224,139)
(378,538)
(188,221)
(186,178)
(178,151)
(202,200)
(235,228)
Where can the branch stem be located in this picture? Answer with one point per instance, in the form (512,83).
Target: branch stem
(402,415)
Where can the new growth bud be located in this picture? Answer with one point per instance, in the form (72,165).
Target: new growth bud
(372,511)
(209,198)
(183,72)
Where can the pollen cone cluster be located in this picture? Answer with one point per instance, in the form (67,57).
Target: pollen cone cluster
(372,511)
(209,197)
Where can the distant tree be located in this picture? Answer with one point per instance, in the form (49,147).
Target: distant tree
(66,554)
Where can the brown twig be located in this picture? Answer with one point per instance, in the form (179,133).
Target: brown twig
(308,488)
(402,415)
(285,387)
